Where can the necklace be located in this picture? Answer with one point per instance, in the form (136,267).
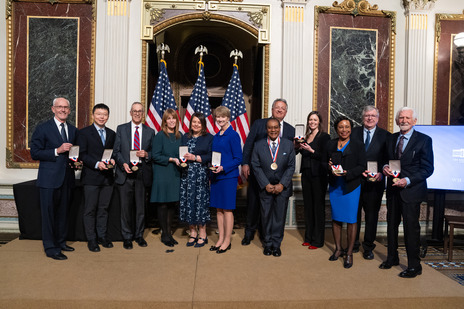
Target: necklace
(342,143)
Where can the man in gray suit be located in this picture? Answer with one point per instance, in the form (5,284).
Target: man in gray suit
(273,164)
(133,176)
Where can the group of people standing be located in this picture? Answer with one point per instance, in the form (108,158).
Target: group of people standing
(143,159)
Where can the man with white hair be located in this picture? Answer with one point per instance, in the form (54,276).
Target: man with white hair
(406,190)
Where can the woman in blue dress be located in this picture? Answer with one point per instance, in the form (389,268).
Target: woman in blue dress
(166,173)
(194,188)
(345,186)
(224,178)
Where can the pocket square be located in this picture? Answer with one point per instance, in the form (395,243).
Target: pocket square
(284,154)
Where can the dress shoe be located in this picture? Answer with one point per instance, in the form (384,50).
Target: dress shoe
(67,248)
(246,240)
(267,251)
(174,241)
(411,272)
(205,241)
(355,249)
(276,252)
(368,255)
(224,250)
(348,261)
(127,244)
(213,248)
(387,264)
(58,256)
(141,242)
(93,246)
(192,243)
(336,254)
(306,244)
(105,242)
(312,247)
(168,243)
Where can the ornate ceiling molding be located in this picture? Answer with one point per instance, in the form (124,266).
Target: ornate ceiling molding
(256,16)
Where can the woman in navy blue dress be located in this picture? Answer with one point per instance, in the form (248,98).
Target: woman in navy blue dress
(194,185)
(345,187)
(224,178)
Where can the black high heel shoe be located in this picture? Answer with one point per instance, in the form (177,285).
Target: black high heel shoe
(192,243)
(335,256)
(213,248)
(205,241)
(224,250)
(348,261)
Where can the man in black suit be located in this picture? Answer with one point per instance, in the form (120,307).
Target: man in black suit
(374,139)
(133,177)
(405,194)
(50,143)
(96,177)
(273,164)
(258,131)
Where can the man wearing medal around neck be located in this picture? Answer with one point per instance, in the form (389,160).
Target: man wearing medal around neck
(273,167)
(404,196)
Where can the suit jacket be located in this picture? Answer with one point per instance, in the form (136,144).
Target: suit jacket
(416,164)
(91,151)
(315,162)
(258,131)
(261,161)
(353,161)
(122,148)
(52,169)
(228,144)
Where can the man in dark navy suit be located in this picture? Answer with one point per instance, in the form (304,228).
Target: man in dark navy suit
(131,183)
(405,194)
(258,131)
(273,164)
(50,143)
(96,177)
(374,139)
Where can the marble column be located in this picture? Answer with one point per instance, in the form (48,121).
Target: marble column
(293,56)
(116,61)
(418,94)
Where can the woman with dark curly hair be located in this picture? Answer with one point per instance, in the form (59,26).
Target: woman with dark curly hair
(347,162)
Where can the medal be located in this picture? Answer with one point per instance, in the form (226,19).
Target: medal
(395,175)
(274,153)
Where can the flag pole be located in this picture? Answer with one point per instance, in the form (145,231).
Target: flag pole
(202,50)
(236,53)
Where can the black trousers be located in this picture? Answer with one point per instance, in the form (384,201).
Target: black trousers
(97,201)
(314,190)
(273,216)
(132,198)
(369,201)
(54,205)
(396,208)
(253,207)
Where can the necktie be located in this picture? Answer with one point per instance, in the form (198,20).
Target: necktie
(136,139)
(368,140)
(102,136)
(274,147)
(399,147)
(63,133)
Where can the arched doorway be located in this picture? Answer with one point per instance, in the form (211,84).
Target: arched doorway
(220,36)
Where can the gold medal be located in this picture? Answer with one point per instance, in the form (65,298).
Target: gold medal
(183,164)
(135,168)
(109,165)
(395,180)
(274,166)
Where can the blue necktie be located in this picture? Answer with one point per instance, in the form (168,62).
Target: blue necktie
(368,140)
(63,133)
(102,136)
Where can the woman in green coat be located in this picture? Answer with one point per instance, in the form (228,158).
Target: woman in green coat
(166,173)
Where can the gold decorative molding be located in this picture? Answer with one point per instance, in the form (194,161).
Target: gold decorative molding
(440,17)
(255,16)
(266,81)
(418,4)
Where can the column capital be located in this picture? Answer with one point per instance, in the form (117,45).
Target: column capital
(300,2)
(414,6)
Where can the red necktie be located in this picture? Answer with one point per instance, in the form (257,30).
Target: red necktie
(136,139)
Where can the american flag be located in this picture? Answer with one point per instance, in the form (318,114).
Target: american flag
(199,102)
(161,101)
(233,100)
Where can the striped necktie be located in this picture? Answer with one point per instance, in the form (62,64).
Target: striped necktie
(136,138)
(102,136)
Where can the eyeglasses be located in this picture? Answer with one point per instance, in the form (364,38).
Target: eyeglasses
(137,112)
(371,116)
(61,107)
